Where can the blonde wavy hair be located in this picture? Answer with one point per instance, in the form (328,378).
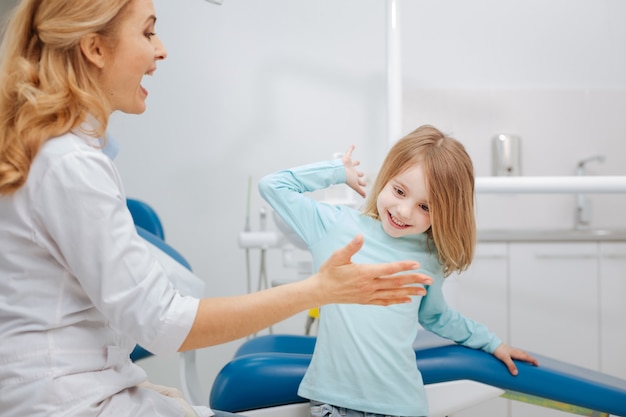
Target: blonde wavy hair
(47,86)
(450,177)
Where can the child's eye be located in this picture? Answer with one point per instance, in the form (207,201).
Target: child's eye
(399,191)
(425,208)
(150,34)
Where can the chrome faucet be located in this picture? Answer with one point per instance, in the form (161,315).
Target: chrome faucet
(583,208)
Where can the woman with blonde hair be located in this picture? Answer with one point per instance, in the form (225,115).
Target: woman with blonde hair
(421,207)
(78,286)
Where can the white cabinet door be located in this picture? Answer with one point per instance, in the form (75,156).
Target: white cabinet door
(555,306)
(555,300)
(613,309)
(481,293)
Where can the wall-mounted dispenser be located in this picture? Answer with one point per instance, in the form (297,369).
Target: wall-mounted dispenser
(506,155)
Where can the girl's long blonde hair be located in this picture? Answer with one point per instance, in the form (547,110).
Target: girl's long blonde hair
(47,86)
(450,176)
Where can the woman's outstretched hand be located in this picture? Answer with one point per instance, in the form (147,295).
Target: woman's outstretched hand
(342,281)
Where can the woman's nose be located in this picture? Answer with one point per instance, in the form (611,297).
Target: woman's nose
(160,51)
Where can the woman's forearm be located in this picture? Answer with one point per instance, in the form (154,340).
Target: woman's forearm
(224,319)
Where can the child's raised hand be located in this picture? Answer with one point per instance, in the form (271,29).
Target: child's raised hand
(354,177)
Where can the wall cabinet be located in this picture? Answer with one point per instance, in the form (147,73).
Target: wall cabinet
(559,299)
(484,284)
(613,309)
(554,306)
(482,293)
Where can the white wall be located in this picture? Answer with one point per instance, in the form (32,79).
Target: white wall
(551,71)
(253,86)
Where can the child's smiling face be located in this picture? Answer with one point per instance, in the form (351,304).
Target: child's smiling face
(403,204)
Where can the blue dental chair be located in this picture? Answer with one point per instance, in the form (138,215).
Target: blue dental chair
(263,377)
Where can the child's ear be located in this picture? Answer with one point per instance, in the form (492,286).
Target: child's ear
(92,48)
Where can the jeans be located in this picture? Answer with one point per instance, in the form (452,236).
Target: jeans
(326,410)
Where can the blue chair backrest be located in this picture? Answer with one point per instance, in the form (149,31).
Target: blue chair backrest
(145,217)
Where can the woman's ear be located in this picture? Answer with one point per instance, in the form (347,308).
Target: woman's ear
(91,46)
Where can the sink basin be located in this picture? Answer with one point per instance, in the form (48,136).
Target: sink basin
(546,235)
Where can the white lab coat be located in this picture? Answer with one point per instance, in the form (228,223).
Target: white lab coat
(78,289)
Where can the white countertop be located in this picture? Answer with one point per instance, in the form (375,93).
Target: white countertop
(559,235)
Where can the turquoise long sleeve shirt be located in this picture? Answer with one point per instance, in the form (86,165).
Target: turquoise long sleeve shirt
(364,358)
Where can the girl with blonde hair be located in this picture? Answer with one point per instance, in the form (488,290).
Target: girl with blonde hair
(449,174)
(421,207)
